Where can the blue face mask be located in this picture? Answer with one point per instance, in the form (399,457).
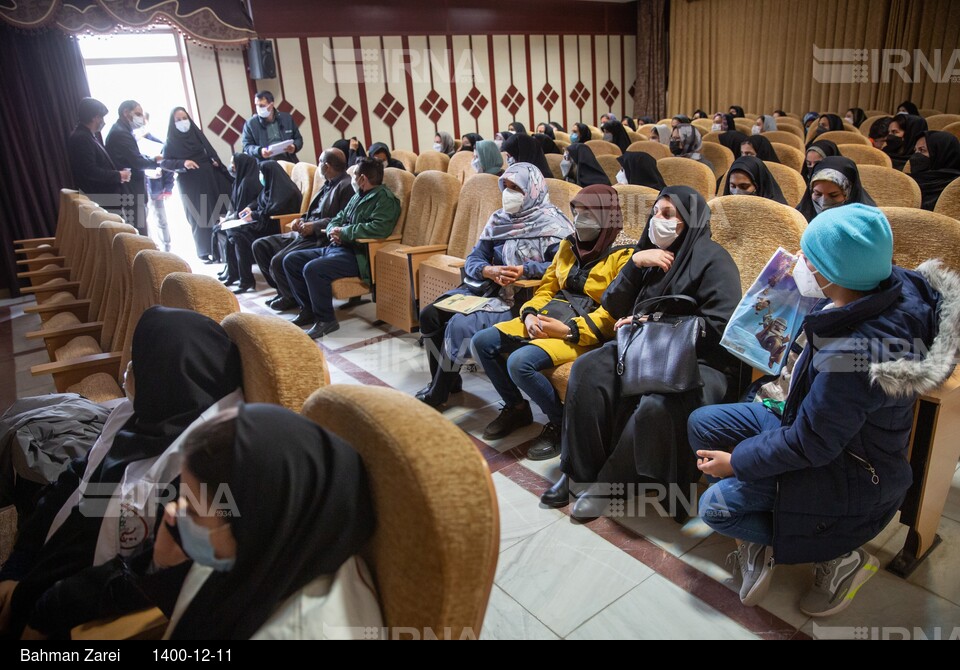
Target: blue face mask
(263,182)
(574,137)
(196,544)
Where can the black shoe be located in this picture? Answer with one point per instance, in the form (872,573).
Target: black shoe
(210,261)
(304,318)
(230,282)
(547,445)
(589,507)
(321,328)
(282,304)
(557,495)
(244,288)
(510,419)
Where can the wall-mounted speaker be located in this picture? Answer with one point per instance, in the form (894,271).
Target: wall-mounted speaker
(263,64)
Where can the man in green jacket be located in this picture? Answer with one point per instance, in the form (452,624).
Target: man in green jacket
(371,214)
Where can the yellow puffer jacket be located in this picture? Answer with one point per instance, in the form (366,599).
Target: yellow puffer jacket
(554,280)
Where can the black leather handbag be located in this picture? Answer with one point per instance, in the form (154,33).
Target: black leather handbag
(657,353)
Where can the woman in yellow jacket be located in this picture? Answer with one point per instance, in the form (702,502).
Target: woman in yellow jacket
(562,321)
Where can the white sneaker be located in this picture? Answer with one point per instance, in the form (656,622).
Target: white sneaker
(837,582)
(755,564)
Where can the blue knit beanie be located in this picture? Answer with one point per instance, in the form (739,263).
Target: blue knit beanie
(851,246)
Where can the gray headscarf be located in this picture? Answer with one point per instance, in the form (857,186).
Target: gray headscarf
(663,132)
(690,141)
(447,145)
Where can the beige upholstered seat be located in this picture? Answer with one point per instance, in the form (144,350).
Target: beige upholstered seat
(655,149)
(719,156)
(645,130)
(562,136)
(561,193)
(864,155)
(434,552)
(432,160)
(791,182)
(745,126)
(785,137)
(595,133)
(553,160)
(198,293)
(751,230)
(703,125)
(46,267)
(287,167)
(919,235)
(949,202)
(687,172)
(460,166)
(790,156)
(941,121)
(889,187)
(433,204)
(281,364)
(408,158)
(303,176)
(41,251)
(603,148)
(953,129)
(479,198)
(633,135)
(839,137)
(611,166)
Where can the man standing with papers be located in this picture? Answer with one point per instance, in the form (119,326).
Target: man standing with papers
(271,134)
(125,154)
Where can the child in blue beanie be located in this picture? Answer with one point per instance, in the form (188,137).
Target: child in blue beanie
(817,483)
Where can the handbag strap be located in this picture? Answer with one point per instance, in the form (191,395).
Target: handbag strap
(653,301)
(581,313)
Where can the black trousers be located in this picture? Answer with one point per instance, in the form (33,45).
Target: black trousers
(241,239)
(271,250)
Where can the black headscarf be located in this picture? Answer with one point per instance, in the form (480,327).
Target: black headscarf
(848,169)
(547,145)
(640,169)
(732,139)
(825,147)
(191,145)
(518,127)
(320,515)
(630,123)
(246,183)
(473,139)
(583,133)
(184,363)
(557,126)
(682,118)
(588,170)
(381,147)
(859,116)
(913,128)
(943,167)
(351,156)
(525,149)
(731,123)
(834,122)
(911,108)
(764,149)
(760,175)
(738,112)
(547,130)
(279,195)
(619,135)
(700,114)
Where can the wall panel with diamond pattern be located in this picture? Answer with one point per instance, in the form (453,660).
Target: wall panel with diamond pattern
(402,90)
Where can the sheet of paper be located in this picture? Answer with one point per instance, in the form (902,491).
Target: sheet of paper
(233,223)
(279,147)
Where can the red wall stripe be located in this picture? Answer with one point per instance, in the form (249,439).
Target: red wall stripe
(411,108)
(454,102)
(386,84)
(311,94)
(563,82)
(623,78)
(532,128)
(593,83)
(493,85)
(362,83)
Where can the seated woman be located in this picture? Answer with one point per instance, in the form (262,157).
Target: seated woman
(749,176)
(679,120)
(525,149)
(685,142)
(640,169)
(815,481)
(737,112)
(910,108)
(809,119)
(834,182)
(612,438)
(487,158)
(855,117)
(580,133)
(901,143)
(557,126)
(935,165)
(816,152)
(661,134)
(277,566)
(699,114)
(514,353)
(764,124)
(381,152)
(546,144)
(518,242)
(246,190)
(444,143)
(99,509)
(829,123)
(579,166)
(352,149)
(500,138)
(759,146)
(629,123)
(517,128)
(546,129)
(470,141)
(279,196)
(616,133)
(730,137)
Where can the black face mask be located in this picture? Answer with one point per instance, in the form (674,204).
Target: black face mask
(894,143)
(466,147)
(676,148)
(919,163)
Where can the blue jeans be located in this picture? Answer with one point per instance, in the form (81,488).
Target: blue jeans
(741,510)
(520,371)
(311,274)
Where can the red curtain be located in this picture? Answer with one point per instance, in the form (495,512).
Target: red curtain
(42,80)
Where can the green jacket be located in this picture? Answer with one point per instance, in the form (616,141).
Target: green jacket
(371,215)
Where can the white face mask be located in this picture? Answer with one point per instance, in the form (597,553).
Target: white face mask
(608,137)
(820,204)
(475,164)
(183,126)
(565,166)
(263,112)
(511,160)
(663,232)
(806,281)
(622,177)
(356,186)
(138,122)
(499,144)
(438,147)
(587,228)
(512,201)
(849,120)
(740,191)
(756,130)
(716,128)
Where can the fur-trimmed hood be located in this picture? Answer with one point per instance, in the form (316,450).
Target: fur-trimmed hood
(913,376)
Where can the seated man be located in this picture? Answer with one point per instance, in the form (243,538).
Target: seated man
(372,213)
(309,231)
(816,480)
(381,152)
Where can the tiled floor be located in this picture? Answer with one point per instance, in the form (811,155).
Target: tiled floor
(643,577)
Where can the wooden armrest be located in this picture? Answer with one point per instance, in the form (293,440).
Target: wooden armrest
(425,249)
(34,241)
(51,272)
(75,330)
(528,283)
(287,218)
(45,309)
(38,261)
(30,252)
(146,625)
(378,240)
(67,373)
(459,263)
(39,289)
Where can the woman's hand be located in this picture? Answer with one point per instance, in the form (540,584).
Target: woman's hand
(190,165)
(166,552)
(244,215)
(653,258)
(553,328)
(504,275)
(625,321)
(715,464)
(6,596)
(534,328)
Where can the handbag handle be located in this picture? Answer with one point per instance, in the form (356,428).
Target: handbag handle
(653,301)
(582,314)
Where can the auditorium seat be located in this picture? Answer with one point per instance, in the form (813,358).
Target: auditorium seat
(864,155)
(686,172)
(655,149)
(611,166)
(460,166)
(839,137)
(889,187)
(785,137)
(791,182)
(948,203)
(789,155)
(305,177)
(603,148)
(287,167)
(432,160)
(719,156)
(408,158)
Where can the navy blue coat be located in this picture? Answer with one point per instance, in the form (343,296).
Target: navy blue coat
(256,137)
(840,456)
